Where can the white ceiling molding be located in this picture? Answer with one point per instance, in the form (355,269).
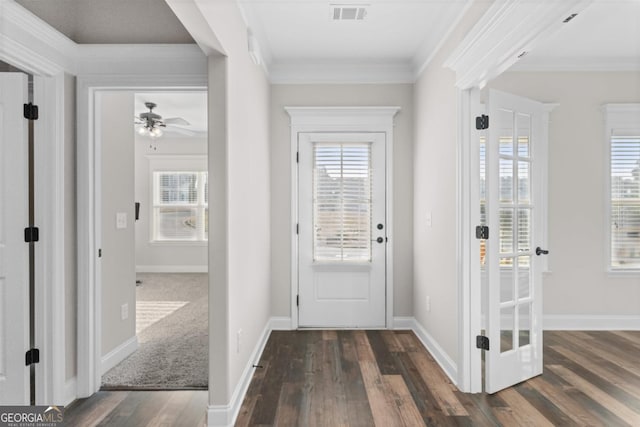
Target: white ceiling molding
(507,31)
(341,73)
(581,64)
(26,40)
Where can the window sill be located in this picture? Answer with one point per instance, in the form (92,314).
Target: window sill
(631,272)
(176,243)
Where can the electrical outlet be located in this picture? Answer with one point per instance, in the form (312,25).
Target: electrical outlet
(239,341)
(124,311)
(428,303)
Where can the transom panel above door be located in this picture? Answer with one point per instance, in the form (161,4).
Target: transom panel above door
(342,229)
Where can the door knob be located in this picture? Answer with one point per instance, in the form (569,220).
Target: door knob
(540,251)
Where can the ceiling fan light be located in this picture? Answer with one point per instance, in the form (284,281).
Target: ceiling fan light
(142,130)
(155,132)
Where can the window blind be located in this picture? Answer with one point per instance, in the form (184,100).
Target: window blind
(180,206)
(342,202)
(625,201)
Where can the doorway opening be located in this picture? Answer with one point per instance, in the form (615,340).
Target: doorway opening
(153,273)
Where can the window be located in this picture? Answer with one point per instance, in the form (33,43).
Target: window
(178,199)
(342,202)
(623,134)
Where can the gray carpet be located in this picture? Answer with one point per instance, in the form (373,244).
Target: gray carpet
(171,318)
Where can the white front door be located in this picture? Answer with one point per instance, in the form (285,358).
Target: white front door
(14,252)
(514,207)
(342,230)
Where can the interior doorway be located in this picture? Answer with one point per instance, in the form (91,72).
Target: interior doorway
(153,216)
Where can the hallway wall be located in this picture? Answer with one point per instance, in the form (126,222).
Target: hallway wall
(295,95)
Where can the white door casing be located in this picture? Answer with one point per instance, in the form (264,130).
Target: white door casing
(14,252)
(342,229)
(515,155)
(342,120)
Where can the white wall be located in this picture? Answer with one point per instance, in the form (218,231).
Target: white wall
(435,184)
(174,256)
(281,221)
(239,221)
(578,283)
(116,134)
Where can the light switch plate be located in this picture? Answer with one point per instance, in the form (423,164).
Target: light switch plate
(121,220)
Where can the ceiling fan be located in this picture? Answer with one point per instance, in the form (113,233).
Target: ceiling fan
(152,123)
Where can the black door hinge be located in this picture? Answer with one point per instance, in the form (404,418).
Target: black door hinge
(31,234)
(297,228)
(30,111)
(32,356)
(99,253)
(482,232)
(297,300)
(482,342)
(482,122)
(297,157)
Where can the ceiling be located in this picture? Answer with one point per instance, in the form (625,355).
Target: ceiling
(401,31)
(604,36)
(191,106)
(111,21)
(299,41)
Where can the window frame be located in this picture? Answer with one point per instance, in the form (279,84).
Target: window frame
(625,120)
(159,163)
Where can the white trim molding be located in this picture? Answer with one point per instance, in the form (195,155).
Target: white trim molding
(70,386)
(504,34)
(226,415)
(432,346)
(591,322)
(118,354)
(342,119)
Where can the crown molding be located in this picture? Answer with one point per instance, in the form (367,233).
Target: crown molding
(577,64)
(341,73)
(507,30)
(29,43)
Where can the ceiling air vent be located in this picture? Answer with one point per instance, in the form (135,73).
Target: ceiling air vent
(348,12)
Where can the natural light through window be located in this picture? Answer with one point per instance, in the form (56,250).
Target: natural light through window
(623,130)
(180,206)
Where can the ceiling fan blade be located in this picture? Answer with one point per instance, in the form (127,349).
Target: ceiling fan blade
(176,121)
(185,132)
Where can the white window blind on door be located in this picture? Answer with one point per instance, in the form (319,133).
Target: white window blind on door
(625,200)
(342,202)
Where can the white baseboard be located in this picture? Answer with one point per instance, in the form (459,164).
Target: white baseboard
(118,354)
(441,357)
(280,324)
(581,322)
(225,415)
(172,268)
(70,391)
(403,323)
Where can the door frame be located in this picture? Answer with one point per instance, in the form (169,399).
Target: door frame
(89,332)
(342,119)
(487,51)
(37,49)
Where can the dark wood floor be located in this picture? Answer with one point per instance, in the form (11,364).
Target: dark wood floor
(386,378)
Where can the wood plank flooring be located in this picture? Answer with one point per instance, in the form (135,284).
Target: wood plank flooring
(386,378)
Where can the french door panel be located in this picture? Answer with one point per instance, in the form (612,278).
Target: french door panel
(14,253)
(342,230)
(514,215)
